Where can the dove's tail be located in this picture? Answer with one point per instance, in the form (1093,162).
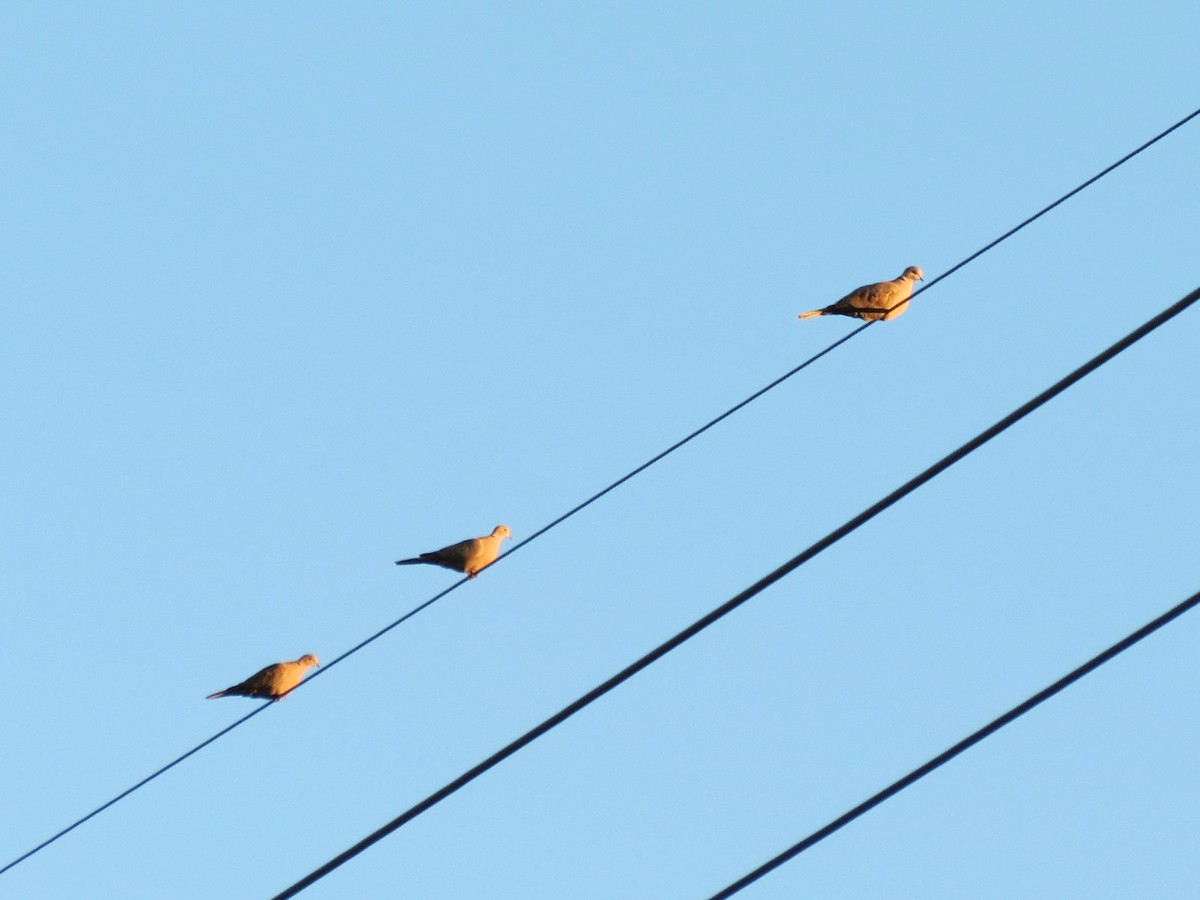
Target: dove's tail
(812,313)
(216,695)
(411,562)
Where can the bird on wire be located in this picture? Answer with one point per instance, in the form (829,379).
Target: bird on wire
(467,556)
(272,682)
(872,302)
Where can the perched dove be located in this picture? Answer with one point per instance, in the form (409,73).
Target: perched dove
(272,682)
(466,556)
(885,300)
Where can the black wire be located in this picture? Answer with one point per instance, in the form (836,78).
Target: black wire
(733,603)
(620,481)
(125,793)
(966,743)
(224,731)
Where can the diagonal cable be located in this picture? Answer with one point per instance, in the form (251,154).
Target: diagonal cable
(965,744)
(436,597)
(599,494)
(730,605)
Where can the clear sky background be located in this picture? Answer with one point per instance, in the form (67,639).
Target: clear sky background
(294,290)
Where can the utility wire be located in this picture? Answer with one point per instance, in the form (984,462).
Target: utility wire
(966,743)
(728,606)
(599,494)
(436,597)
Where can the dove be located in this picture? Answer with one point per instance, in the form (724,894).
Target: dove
(272,682)
(466,556)
(885,300)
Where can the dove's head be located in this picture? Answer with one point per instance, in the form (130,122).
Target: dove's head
(308,660)
(914,272)
(501,531)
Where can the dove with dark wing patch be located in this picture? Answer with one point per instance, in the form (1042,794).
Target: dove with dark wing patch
(272,682)
(467,556)
(872,302)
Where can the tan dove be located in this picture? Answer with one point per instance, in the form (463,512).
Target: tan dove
(272,682)
(885,300)
(466,556)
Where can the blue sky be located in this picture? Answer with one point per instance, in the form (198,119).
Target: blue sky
(296,290)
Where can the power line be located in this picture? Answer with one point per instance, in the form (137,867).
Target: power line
(730,605)
(1065,197)
(966,743)
(599,494)
(436,597)
(603,492)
